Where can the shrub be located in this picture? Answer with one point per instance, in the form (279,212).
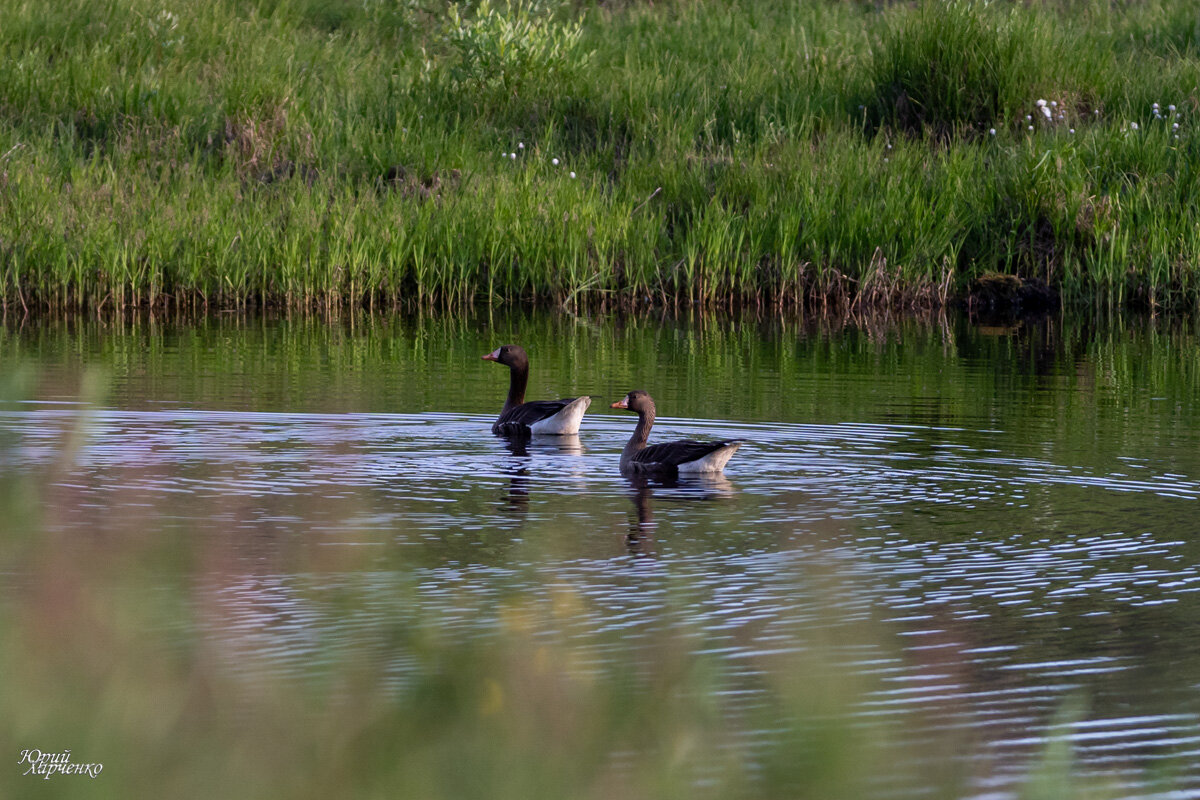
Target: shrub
(504,52)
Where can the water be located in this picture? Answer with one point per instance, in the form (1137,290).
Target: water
(982,538)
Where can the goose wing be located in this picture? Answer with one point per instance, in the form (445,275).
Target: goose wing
(519,419)
(672,454)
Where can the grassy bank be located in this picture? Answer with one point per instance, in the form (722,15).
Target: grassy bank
(330,152)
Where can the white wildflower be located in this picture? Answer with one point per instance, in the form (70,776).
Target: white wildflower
(1045,112)
(520,145)
(1041,103)
(1133,125)
(572,174)
(554,161)
(992,131)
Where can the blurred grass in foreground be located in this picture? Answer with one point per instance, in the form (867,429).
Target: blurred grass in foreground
(120,650)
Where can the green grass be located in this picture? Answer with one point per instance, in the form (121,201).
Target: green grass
(323,153)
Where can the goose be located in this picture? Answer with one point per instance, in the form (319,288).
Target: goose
(519,418)
(669,457)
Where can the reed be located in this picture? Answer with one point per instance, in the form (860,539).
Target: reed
(312,153)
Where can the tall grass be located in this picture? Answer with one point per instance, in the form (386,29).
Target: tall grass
(317,153)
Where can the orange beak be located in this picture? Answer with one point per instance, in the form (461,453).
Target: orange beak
(492,356)
(622,403)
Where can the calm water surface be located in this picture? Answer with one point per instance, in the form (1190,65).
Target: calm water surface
(994,528)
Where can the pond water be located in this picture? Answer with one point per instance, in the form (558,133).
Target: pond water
(950,559)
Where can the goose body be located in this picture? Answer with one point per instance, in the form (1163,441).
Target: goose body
(560,417)
(518,418)
(684,456)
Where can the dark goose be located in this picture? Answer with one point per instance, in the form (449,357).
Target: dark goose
(519,418)
(683,456)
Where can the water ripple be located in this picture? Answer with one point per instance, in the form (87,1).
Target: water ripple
(1011,580)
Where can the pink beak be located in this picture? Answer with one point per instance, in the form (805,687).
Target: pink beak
(493,356)
(622,403)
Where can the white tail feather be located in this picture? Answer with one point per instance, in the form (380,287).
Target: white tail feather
(713,462)
(565,422)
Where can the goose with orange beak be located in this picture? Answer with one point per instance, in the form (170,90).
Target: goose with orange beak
(668,458)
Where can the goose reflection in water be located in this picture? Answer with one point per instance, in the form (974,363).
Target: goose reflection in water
(516,496)
(640,539)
